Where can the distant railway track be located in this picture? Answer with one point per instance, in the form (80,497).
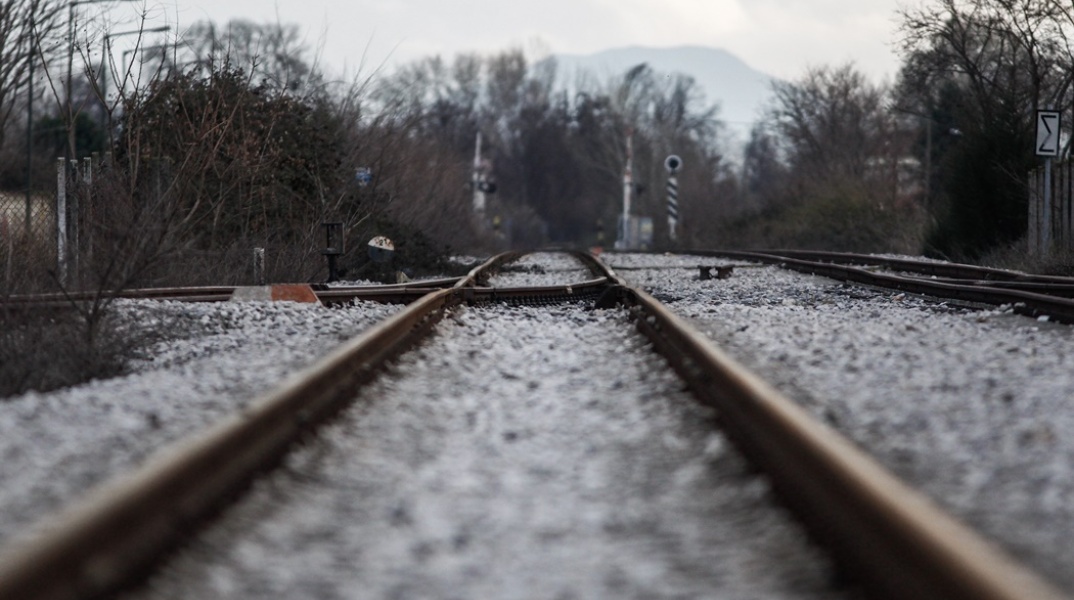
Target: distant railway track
(897,542)
(394,294)
(1030,295)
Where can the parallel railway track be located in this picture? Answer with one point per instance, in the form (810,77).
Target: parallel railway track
(390,294)
(1029,295)
(393,294)
(883,532)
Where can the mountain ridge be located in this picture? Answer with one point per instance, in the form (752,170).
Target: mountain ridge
(725,79)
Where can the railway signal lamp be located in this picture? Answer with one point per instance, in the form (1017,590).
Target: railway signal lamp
(673,163)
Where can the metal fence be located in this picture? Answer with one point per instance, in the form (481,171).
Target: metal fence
(27,236)
(42,229)
(73,233)
(27,217)
(1060,219)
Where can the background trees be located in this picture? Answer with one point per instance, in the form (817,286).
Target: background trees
(829,170)
(236,139)
(29,30)
(981,68)
(556,155)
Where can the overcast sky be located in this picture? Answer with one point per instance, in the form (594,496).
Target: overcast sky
(780,37)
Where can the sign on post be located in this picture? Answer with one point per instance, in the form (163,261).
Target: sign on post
(1048,122)
(1047,145)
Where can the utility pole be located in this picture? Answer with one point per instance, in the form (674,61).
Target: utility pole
(30,125)
(625,241)
(928,163)
(106,53)
(71,150)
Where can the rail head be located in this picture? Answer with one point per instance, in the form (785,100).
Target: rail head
(1022,301)
(480,274)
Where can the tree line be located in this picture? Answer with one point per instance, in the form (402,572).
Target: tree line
(231,136)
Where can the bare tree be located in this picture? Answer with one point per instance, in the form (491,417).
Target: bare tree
(272,54)
(28,30)
(828,170)
(1015,52)
(986,66)
(834,124)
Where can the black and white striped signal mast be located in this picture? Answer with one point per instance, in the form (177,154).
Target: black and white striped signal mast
(673,163)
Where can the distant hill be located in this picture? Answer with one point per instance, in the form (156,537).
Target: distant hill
(726,80)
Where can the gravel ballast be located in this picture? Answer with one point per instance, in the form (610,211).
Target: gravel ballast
(541,269)
(972,407)
(212,360)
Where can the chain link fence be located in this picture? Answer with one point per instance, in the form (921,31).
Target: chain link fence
(27,236)
(25,217)
(36,228)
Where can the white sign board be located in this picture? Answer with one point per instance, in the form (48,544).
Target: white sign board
(1048,133)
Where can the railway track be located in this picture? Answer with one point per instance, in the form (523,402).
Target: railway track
(1030,295)
(392,294)
(896,542)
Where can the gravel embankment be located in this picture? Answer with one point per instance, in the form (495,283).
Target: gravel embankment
(55,446)
(972,407)
(521,453)
(522,476)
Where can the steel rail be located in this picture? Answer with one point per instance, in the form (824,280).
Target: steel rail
(224,293)
(885,534)
(191,294)
(1027,303)
(537,294)
(955,271)
(597,267)
(1059,290)
(479,275)
(390,294)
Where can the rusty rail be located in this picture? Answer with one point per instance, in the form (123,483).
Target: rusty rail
(953,271)
(1057,306)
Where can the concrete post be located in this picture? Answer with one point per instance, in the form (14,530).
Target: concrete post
(61,219)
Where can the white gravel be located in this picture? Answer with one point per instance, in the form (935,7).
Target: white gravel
(55,446)
(974,408)
(541,269)
(522,453)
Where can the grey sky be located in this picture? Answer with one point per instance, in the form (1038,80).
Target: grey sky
(781,37)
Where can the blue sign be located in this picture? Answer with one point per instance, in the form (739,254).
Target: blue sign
(364,176)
